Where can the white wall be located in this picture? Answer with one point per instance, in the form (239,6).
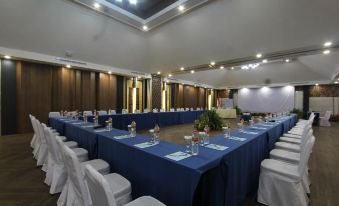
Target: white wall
(323,104)
(266,99)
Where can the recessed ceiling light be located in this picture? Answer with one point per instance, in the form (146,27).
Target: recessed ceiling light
(326,51)
(96,5)
(335,82)
(327,44)
(145,28)
(212,63)
(181,8)
(167,81)
(222,67)
(287,60)
(264,61)
(134,2)
(316,84)
(7,57)
(232,68)
(109,72)
(192,71)
(170,75)
(158,72)
(68,66)
(182,68)
(259,55)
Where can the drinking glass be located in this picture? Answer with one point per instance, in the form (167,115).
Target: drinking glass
(152,135)
(195,147)
(188,141)
(227,132)
(130,130)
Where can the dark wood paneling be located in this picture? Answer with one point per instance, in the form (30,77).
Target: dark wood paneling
(34,86)
(156,91)
(190,96)
(88,90)
(201,97)
(8,97)
(107,92)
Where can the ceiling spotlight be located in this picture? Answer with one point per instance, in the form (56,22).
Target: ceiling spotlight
(259,55)
(287,60)
(181,8)
(232,68)
(145,28)
(335,82)
(7,57)
(192,71)
(316,84)
(222,67)
(68,66)
(167,81)
(327,44)
(109,72)
(170,75)
(264,61)
(134,2)
(182,68)
(326,51)
(158,72)
(96,5)
(212,63)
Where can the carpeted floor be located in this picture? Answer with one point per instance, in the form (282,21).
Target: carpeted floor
(21,182)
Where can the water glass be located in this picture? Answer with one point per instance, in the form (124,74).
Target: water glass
(227,132)
(85,118)
(129,130)
(206,139)
(96,123)
(195,147)
(201,137)
(188,141)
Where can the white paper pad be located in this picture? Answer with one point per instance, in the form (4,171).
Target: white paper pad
(216,147)
(123,136)
(237,138)
(260,128)
(78,123)
(101,130)
(177,156)
(247,132)
(145,145)
(88,126)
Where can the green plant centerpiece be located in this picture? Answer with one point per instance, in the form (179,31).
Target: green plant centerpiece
(210,118)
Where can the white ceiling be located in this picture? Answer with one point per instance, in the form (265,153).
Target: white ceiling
(220,30)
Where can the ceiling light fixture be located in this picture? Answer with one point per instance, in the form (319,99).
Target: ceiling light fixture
(264,61)
(250,66)
(170,75)
(68,66)
(96,5)
(222,67)
(109,72)
(7,57)
(232,68)
(158,72)
(327,44)
(181,8)
(212,63)
(259,55)
(335,82)
(182,68)
(287,60)
(145,28)
(316,84)
(134,2)
(326,51)
(192,71)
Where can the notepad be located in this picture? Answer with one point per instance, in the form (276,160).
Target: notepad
(177,156)
(122,136)
(216,147)
(86,126)
(101,130)
(247,132)
(237,138)
(260,128)
(78,123)
(145,145)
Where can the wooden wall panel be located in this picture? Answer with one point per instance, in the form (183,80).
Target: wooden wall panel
(201,97)
(107,92)
(88,90)
(190,96)
(156,91)
(34,85)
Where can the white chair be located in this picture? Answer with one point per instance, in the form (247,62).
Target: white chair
(124,111)
(105,192)
(281,183)
(178,109)
(88,113)
(34,138)
(324,121)
(146,110)
(187,109)
(155,110)
(75,191)
(136,111)
(191,109)
(102,112)
(172,110)
(112,112)
(54,114)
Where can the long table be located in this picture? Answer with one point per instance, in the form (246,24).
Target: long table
(148,120)
(212,178)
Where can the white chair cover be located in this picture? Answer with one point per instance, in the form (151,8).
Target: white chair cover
(88,113)
(54,114)
(146,110)
(34,135)
(102,112)
(41,153)
(324,121)
(172,110)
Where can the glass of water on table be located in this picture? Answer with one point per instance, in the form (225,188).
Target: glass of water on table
(188,143)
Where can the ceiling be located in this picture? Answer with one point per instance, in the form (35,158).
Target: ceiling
(143,8)
(221,30)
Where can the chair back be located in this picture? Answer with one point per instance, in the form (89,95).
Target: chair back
(42,139)
(50,140)
(102,112)
(327,115)
(99,189)
(146,110)
(305,155)
(54,114)
(76,177)
(88,113)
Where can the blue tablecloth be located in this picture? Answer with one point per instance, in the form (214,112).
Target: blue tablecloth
(211,178)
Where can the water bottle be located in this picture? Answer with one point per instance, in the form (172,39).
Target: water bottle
(195,143)
(85,118)
(156,134)
(133,129)
(206,136)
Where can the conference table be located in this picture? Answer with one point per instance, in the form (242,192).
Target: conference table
(223,173)
(148,120)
